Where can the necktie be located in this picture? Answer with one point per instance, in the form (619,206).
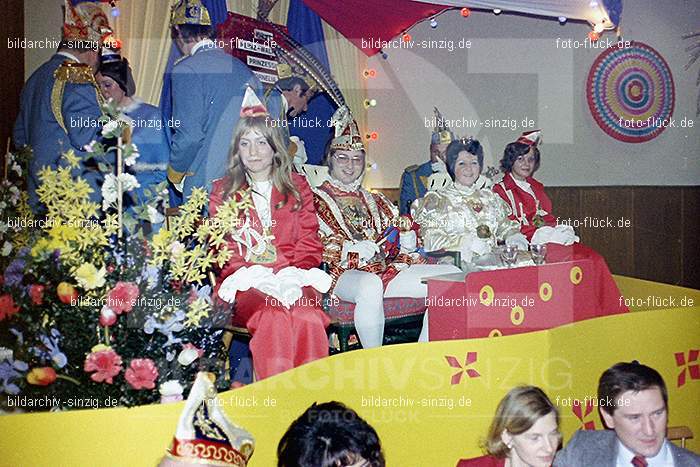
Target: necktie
(639,461)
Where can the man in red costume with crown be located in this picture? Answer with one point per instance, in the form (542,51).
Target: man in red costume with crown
(355,229)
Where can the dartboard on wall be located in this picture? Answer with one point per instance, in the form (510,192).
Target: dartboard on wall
(630,92)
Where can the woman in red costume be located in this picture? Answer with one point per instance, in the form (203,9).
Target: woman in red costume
(284,227)
(529,204)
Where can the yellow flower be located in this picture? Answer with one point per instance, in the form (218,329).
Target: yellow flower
(99,348)
(162,239)
(198,310)
(88,277)
(72,159)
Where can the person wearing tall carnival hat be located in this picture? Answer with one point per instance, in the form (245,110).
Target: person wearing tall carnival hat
(355,227)
(148,133)
(414,181)
(60,103)
(273,269)
(204,434)
(207,91)
(530,205)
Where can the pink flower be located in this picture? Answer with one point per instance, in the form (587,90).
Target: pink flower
(105,363)
(107,316)
(141,374)
(122,297)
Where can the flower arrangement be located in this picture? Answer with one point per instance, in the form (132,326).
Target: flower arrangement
(97,304)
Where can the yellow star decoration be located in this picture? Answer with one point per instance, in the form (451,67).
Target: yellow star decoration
(205,238)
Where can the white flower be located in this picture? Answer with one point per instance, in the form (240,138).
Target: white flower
(109,188)
(154,216)
(176,248)
(6,249)
(109,127)
(187,356)
(17,168)
(131,160)
(14,194)
(3,227)
(170,388)
(90,147)
(5,354)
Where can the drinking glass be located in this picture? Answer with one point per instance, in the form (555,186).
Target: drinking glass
(538,252)
(509,255)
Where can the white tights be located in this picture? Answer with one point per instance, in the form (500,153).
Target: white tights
(366,291)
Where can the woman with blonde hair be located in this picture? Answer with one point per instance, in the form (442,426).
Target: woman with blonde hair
(281,234)
(524,432)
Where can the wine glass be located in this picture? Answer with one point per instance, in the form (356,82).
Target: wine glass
(509,255)
(538,252)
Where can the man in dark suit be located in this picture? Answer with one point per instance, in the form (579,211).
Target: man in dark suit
(414,180)
(208,86)
(633,402)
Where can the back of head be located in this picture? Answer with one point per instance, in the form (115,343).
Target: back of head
(287,84)
(516,413)
(623,377)
(329,435)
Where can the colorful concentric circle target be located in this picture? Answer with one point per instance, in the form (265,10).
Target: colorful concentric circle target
(631,93)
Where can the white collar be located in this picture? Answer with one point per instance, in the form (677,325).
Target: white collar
(662,459)
(69,55)
(467,189)
(346,187)
(200,44)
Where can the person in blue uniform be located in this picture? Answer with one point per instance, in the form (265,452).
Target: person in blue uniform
(60,103)
(208,86)
(414,181)
(147,130)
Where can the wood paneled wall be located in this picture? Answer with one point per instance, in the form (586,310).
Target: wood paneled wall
(651,233)
(12,59)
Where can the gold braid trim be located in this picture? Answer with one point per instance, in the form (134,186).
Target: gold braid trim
(70,72)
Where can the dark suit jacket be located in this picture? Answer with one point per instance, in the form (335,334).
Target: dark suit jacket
(599,449)
(208,89)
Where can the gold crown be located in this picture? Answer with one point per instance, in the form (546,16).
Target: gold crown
(285,70)
(189,12)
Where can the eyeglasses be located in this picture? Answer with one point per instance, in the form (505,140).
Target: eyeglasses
(342,159)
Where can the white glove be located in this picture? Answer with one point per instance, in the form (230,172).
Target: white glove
(480,246)
(366,249)
(518,240)
(561,234)
(243,279)
(439,166)
(471,246)
(408,241)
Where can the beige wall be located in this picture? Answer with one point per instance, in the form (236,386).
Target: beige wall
(42,21)
(515,70)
